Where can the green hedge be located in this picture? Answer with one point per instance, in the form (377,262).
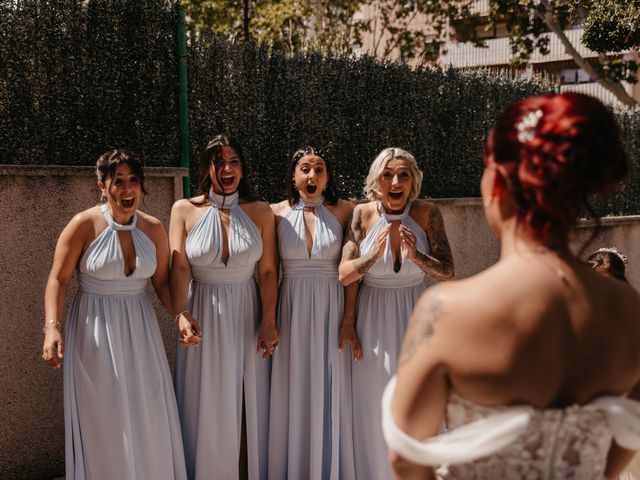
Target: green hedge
(78,77)
(350,108)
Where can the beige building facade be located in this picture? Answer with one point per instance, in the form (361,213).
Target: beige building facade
(449,50)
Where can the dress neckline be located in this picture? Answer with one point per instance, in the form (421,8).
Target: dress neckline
(224,201)
(115,225)
(389,217)
(316,203)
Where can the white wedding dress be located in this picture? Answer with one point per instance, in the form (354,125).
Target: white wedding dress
(521,441)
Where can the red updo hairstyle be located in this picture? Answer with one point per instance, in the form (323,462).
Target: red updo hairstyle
(553,152)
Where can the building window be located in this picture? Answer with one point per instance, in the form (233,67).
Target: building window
(572,76)
(431,51)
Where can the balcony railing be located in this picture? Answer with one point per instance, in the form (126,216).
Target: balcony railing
(498,51)
(596,90)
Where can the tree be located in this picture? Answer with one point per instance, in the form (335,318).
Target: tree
(287,24)
(610,28)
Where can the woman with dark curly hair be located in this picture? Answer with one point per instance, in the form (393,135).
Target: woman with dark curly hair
(121,419)
(310,377)
(531,360)
(610,262)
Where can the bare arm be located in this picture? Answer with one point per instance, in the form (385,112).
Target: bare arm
(180,275)
(65,260)
(422,389)
(268,282)
(160,279)
(439,263)
(352,266)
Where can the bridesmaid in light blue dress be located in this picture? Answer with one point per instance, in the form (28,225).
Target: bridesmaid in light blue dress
(396,244)
(310,390)
(121,419)
(217,241)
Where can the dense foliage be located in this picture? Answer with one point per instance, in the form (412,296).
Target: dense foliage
(78,77)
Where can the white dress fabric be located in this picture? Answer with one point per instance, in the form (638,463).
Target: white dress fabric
(385,304)
(520,442)
(310,383)
(214,379)
(121,419)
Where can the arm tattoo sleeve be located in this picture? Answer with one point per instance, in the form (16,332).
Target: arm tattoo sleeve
(350,248)
(365,262)
(422,326)
(439,264)
(352,245)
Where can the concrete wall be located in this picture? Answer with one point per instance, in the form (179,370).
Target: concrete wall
(475,247)
(35,205)
(37,202)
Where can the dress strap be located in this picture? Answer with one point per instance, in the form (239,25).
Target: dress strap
(224,201)
(113,224)
(389,217)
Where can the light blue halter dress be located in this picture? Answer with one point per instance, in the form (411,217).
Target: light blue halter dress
(121,419)
(211,378)
(310,389)
(385,304)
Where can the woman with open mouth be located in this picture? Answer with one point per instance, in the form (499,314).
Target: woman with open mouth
(218,239)
(310,377)
(396,244)
(121,418)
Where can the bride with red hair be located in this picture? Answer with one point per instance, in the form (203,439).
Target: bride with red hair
(533,362)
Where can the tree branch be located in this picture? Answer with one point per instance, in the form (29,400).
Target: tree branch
(614,87)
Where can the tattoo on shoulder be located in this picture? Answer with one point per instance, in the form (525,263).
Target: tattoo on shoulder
(422,326)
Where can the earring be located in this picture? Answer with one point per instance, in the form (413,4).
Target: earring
(103,197)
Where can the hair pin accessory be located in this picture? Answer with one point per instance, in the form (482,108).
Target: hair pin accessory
(527,126)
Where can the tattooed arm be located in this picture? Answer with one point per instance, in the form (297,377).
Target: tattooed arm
(422,387)
(439,263)
(353,267)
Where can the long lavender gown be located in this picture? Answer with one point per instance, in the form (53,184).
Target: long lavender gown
(310,394)
(121,419)
(385,304)
(213,379)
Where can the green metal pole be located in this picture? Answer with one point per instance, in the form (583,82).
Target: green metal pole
(183,104)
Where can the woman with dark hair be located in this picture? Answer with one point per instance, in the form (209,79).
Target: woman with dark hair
(610,262)
(217,240)
(310,377)
(397,244)
(121,419)
(529,361)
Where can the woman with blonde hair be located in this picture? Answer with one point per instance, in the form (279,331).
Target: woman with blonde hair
(396,244)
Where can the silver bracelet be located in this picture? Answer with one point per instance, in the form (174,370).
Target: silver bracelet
(50,323)
(175,319)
